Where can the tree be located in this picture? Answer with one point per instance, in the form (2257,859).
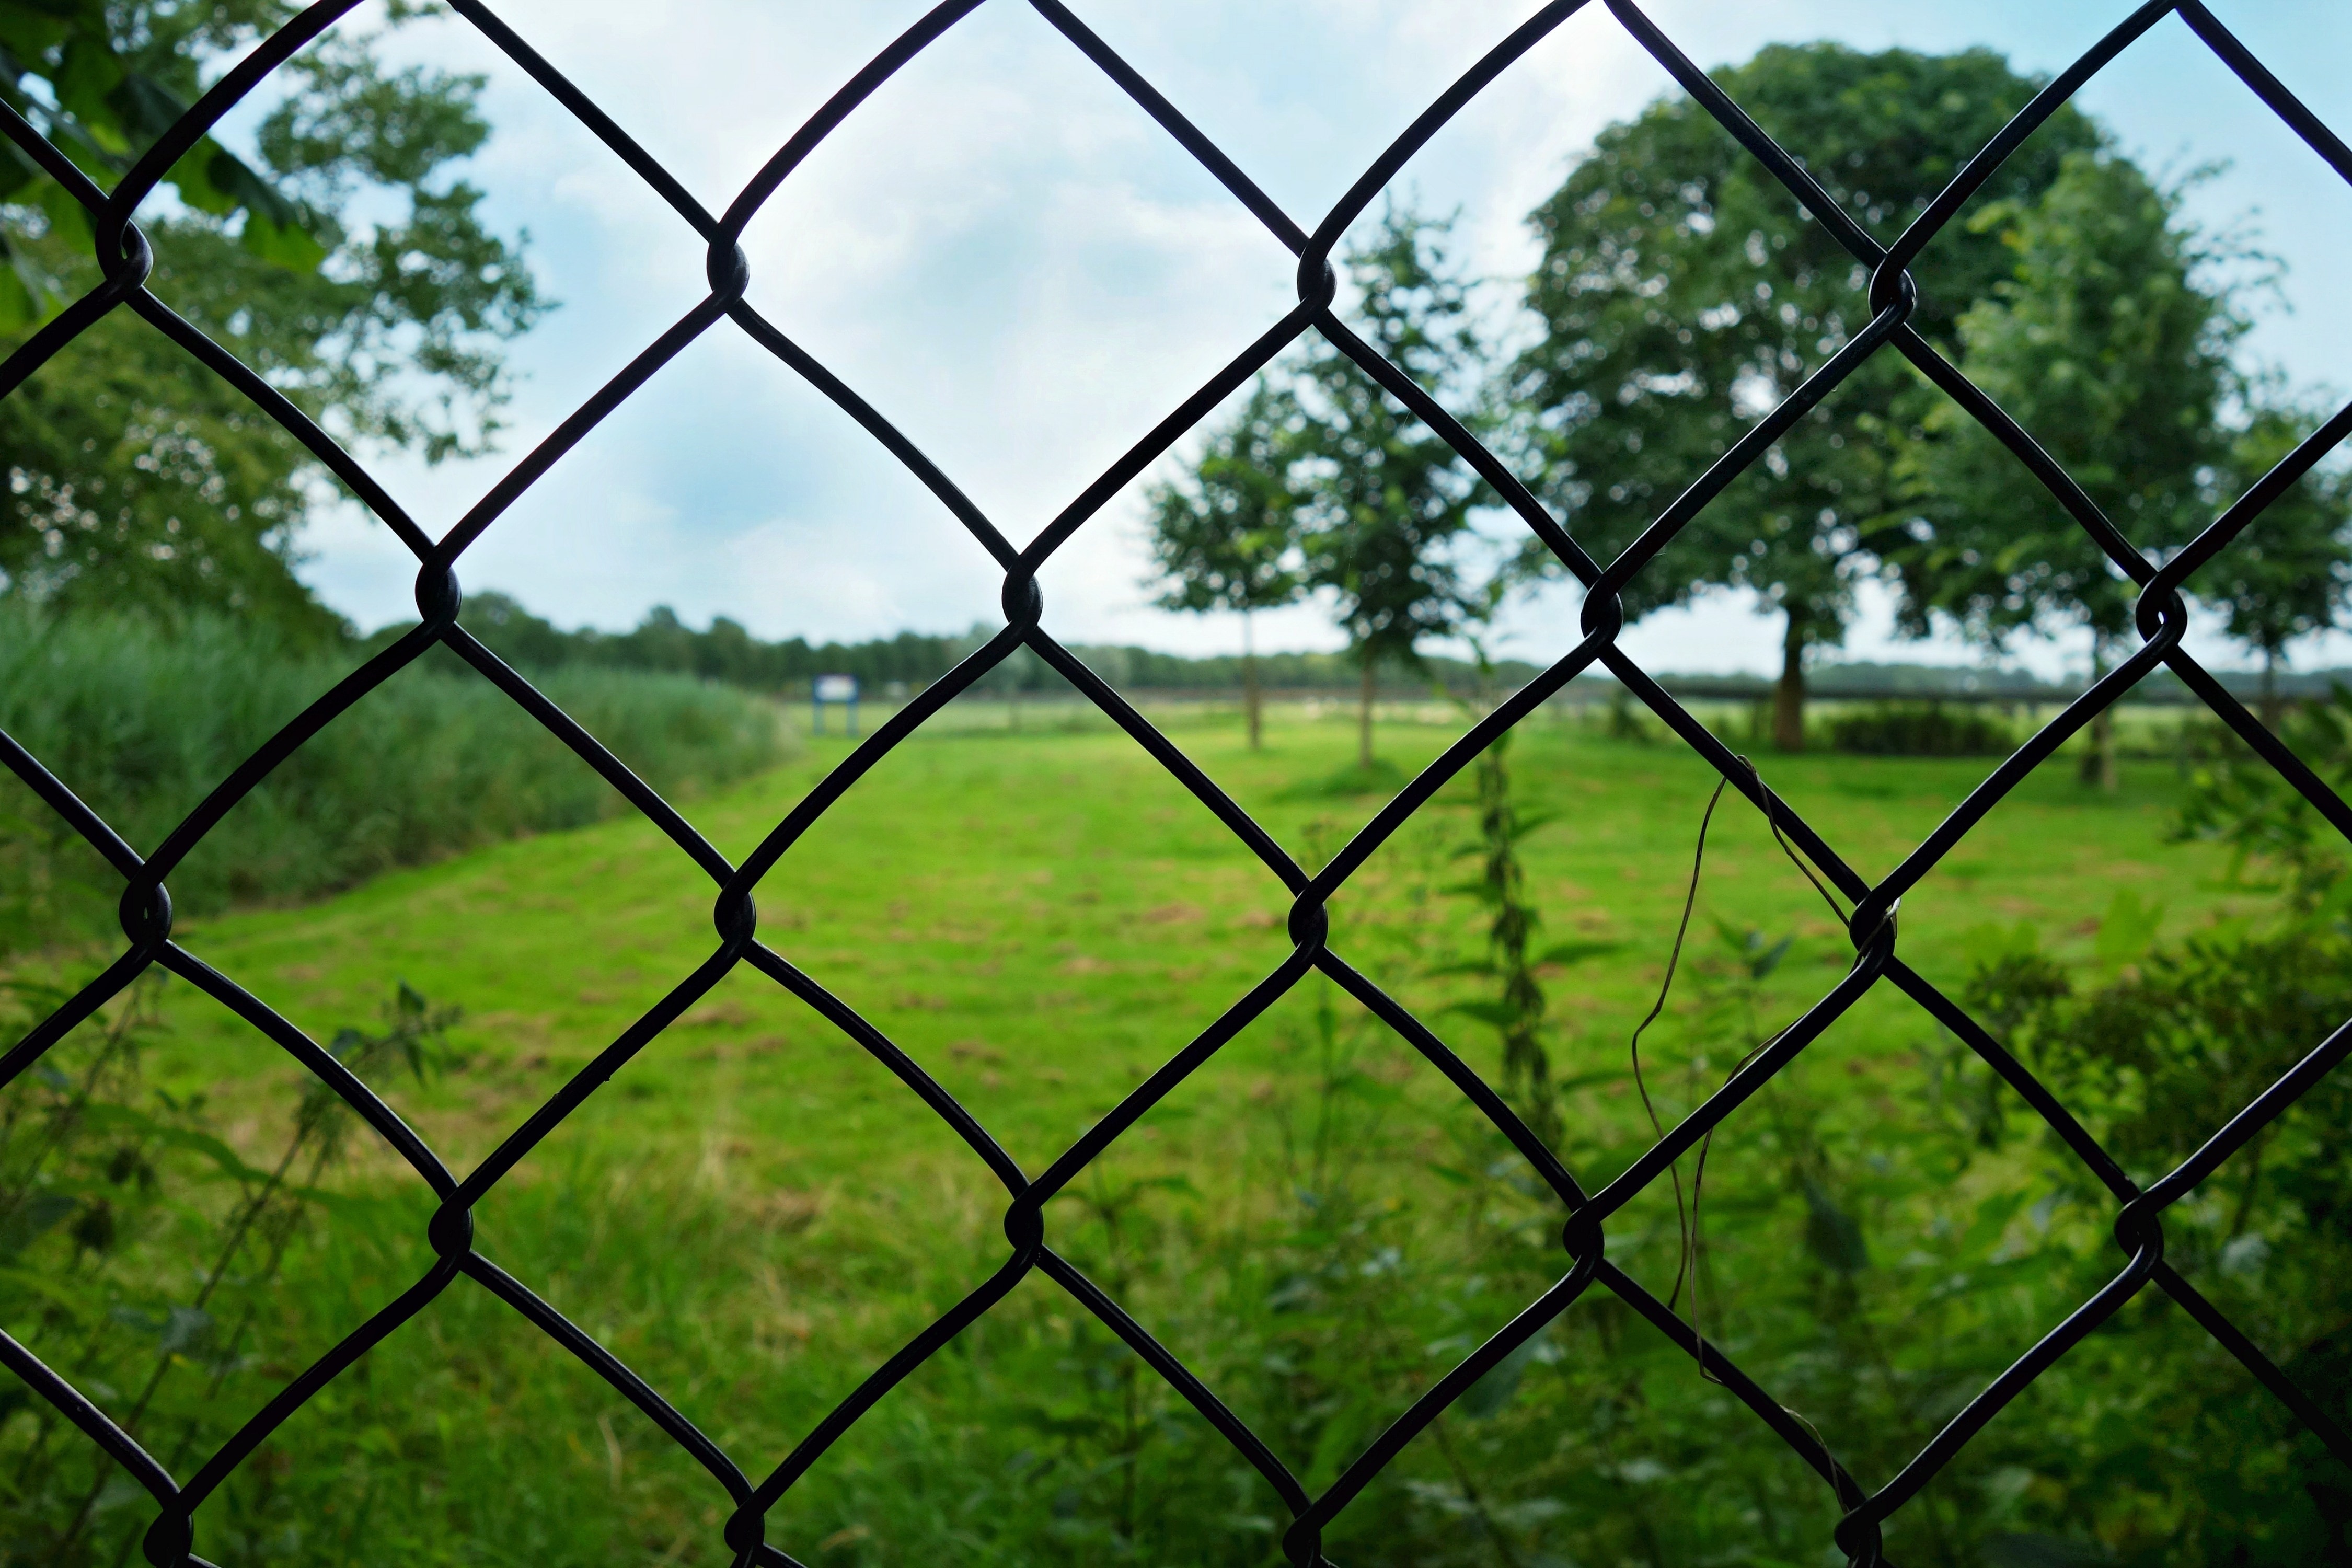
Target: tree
(1684,292)
(2290,573)
(137,478)
(2103,346)
(1226,537)
(1389,502)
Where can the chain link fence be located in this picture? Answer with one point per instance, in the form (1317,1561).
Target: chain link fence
(2162,619)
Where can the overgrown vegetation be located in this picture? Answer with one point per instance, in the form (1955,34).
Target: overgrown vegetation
(142,723)
(1921,729)
(130,1229)
(752,1213)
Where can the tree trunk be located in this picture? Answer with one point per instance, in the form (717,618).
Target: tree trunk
(1789,696)
(1249,681)
(2272,710)
(1364,722)
(2099,762)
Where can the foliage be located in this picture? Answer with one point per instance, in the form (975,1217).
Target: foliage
(2154,1061)
(338,259)
(110,1186)
(1228,539)
(2241,801)
(752,1214)
(1516,1010)
(143,724)
(2289,573)
(1684,292)
(1389,502)
(1226,536)
(2105,349)
(1919,730)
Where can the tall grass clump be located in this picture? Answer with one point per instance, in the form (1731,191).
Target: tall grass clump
(142,723)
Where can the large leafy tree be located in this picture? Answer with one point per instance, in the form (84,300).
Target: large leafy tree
(1389,504)
(2102,345)
(1683,291)
(1226,536)
(339,257)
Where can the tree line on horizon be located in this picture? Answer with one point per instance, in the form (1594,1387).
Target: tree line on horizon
(726,652)
(1682,293)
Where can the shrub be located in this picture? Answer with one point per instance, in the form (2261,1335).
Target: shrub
(142,725)
(1919,730)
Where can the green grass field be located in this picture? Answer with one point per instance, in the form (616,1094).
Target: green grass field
(754,1213)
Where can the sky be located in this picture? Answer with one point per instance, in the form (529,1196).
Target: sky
(1016,266)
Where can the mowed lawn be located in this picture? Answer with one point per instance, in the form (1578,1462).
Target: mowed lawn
(754,1212)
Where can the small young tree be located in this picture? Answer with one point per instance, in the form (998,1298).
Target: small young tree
(2102,345)
(1388,501)
(2290,573)
(1226,536)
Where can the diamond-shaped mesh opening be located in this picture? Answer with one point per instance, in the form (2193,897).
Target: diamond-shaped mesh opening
(1367,1470)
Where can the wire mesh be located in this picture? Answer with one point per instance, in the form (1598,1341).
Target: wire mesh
(126,261)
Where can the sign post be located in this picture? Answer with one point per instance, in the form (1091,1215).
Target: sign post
(841,689)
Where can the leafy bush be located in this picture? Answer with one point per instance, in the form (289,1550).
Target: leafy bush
(1919,730)
(146,1257)
(142,725)
(2210,1468)
(2241,801)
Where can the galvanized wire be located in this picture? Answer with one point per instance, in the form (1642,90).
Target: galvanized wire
(125,261)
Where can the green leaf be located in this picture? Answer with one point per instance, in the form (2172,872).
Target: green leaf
(1832,1236)
(148,109)
(68,219)
(21,301)
(34,1215)
(192,176)
(27,33)
(1985,945)
(2128,928)
(1490,1393)
(86,82)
